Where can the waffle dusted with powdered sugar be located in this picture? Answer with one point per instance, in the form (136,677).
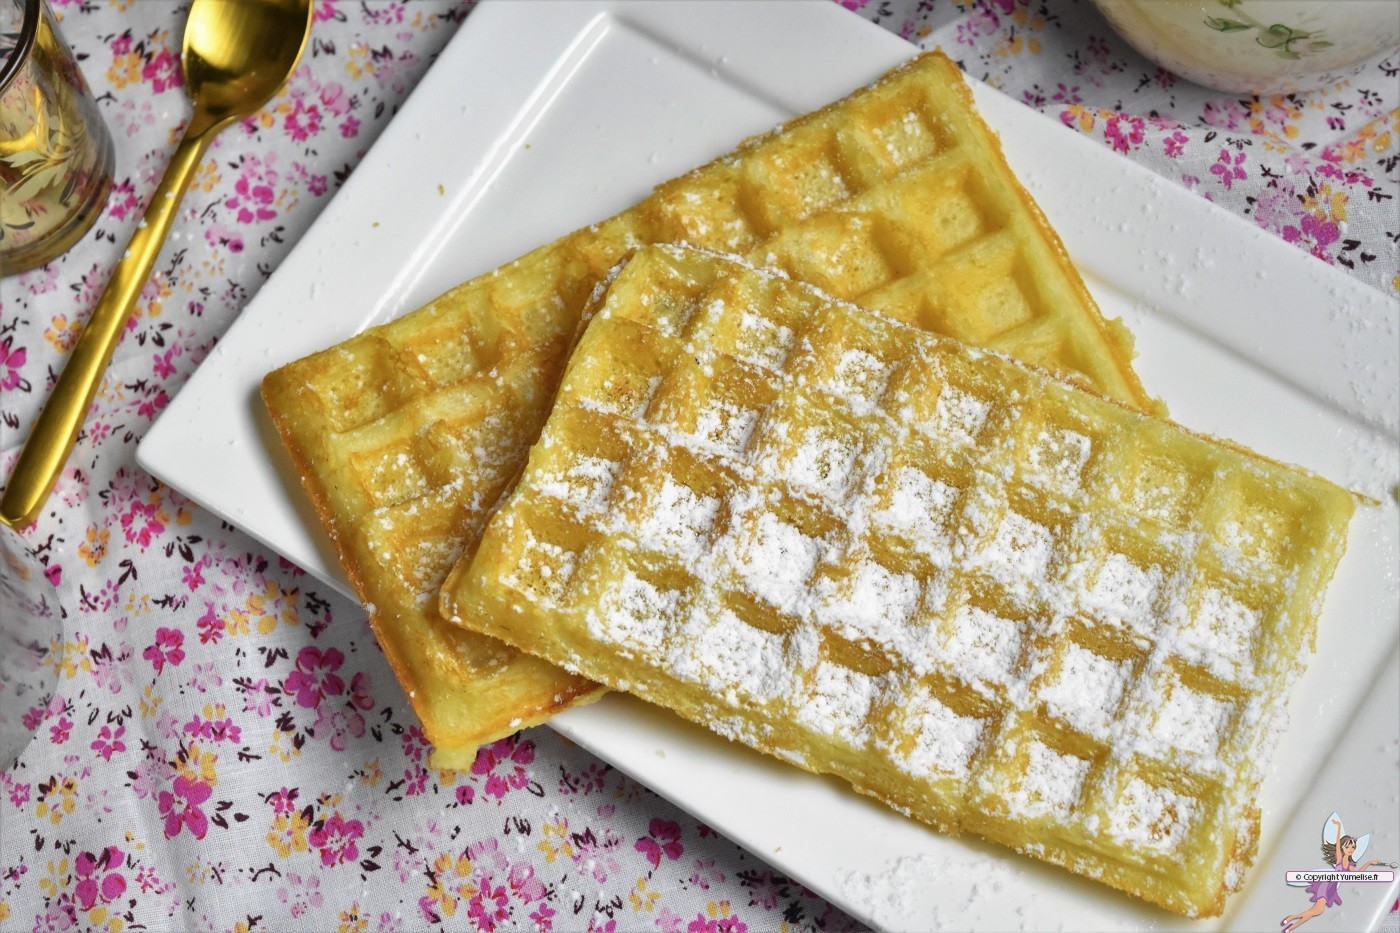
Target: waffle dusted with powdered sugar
(997,602)
(405,435)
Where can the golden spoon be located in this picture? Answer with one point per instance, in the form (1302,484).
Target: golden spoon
(236,54)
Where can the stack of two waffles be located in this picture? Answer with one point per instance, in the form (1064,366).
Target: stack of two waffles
(992,589)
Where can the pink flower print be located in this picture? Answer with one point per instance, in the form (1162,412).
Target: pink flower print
(598,856)
(163,71)
(385,13)
(1066,95)
(597,924)
(142,522)
(19,794)
(1315,233)
(706,874)
(259,697)
(465,793)
(61,730)
(151,775)
(981,21)
(854,4)
(1124,132)
(1277,206)
(1227,169)
(415,780)
(122,43)
(215,730)
(315,676)
(304,121)
(166,650)
(508,750)
(109,742)
(664,838)
(349,129)
(123,200)
(164,363)
(334,99)
(339,726)
(360,692)
(254,190)
(97,877)
(543,915)
(764,890)
(11,359)
(335,838)
(489,906)
(524,884)
(181,807)
(668,922)
(152,406)
(54,574)
(211,627)
(1174,144)
(284,800)
(1226,115)
(216,234)
(193,578)
(326,10)
(415,744)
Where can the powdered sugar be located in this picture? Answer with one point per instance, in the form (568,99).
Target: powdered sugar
(678,521)
(859,379)
(822,462)
(1186,720)
(1050,782)
(1086,689)
(634,614)
(943,741)
(1151,817)
(726,425)
(837,702)
(763,342)
(872,602)
(1123,592)
(775,561)
(585,484)
(918,511)
(982,647)
(1220,632)
(1056,459)
(958,417)
(1018,553)
(737,660)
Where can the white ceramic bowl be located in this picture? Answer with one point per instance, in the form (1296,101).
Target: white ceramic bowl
(1258,46)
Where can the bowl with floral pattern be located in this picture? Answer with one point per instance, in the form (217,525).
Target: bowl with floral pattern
(1258,46)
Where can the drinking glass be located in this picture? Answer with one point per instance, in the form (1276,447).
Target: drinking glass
(56,159)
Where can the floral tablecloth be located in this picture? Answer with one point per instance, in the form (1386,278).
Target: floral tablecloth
(226,749)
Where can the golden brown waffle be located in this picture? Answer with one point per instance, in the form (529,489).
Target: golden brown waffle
(997,602)
(898,196)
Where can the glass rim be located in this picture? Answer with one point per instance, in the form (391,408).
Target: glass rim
(28,29)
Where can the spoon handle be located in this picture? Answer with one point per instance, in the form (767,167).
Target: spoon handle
(56,429)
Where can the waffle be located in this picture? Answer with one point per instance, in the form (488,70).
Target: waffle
(997,602)
(404,435)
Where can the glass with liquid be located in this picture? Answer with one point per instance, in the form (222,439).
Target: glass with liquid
(56,159)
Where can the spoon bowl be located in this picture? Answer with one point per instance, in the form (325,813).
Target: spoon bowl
(236,54)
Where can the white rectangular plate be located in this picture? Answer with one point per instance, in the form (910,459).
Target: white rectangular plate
(589,105)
